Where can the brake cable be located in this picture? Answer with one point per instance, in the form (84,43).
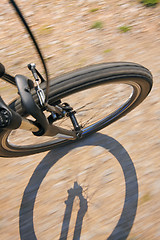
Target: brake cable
(18,11)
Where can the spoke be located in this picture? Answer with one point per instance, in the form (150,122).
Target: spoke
(84,106)
(88,120)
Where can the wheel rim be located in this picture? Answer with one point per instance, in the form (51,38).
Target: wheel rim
(97,107)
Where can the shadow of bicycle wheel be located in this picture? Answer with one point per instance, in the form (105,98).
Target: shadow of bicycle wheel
(125,222)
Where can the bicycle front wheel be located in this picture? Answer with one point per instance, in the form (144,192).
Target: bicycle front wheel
(100,94)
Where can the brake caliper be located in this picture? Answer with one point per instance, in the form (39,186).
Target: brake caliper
(39,90)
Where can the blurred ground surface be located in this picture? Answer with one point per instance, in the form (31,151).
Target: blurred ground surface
(101,166)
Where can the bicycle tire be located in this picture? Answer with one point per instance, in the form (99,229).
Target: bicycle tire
(100,75)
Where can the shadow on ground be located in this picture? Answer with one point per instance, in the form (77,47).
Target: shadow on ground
(125,223)
(83,206)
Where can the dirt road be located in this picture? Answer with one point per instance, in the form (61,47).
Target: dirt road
(107,186)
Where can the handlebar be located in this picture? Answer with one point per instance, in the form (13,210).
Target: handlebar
(6,76)
(2,70)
